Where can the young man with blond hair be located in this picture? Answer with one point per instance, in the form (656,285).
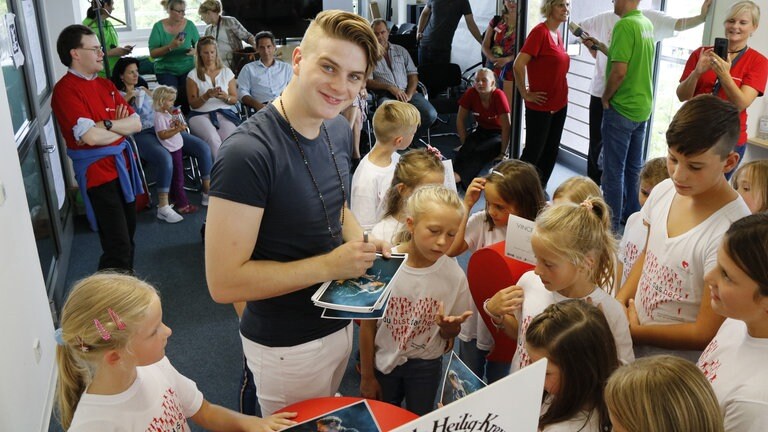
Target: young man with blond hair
(278,225)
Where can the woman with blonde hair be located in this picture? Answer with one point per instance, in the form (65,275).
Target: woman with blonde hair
(227,31)
(545,61)
(662,394)
(740,77)
(212,93)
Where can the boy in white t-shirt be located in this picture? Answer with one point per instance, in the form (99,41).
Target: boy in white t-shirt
(668,308)
(635,232)
(394,125)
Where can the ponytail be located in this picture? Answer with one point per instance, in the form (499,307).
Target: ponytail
(119,303)
(411,170)
(578,231)
(73,380)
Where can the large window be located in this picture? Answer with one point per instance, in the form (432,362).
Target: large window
(143,14)
(673,53)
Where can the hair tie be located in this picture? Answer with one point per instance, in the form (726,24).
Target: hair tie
(587,203)
(58,336)
(434,151)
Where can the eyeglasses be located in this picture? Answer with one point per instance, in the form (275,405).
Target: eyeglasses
(180,11)
(95,50)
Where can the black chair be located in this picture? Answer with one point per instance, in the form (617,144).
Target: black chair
(444,83)
(409,42)
(406,28)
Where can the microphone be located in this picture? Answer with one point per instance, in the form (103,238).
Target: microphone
(579,32)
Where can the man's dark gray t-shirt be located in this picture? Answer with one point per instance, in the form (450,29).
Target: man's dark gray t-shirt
(443,21)
(261,166)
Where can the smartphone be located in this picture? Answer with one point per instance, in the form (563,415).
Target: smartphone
(181,35)
(721,48)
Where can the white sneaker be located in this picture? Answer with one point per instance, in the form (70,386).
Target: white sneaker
(167,214)
(204,201)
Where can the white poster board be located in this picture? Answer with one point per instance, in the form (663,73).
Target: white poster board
(510,404)
(519,233)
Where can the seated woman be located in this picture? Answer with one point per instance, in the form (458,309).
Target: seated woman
(226,30)
(212,93)
(126,79)
(488,142)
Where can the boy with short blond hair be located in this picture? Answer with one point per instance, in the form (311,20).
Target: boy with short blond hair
(668,305)
(394,125)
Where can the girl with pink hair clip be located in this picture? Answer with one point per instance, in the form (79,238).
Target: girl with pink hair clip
(113,373)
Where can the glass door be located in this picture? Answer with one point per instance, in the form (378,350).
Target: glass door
(28,86)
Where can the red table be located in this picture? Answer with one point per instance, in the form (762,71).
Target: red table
(388,416)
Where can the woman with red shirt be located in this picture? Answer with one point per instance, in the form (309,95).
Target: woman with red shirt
(739,79)
(490,109)
(544,57)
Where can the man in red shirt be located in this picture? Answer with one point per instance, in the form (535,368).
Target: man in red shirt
(94,120)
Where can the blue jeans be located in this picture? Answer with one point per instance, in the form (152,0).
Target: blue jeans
(158,157)
(427,112)
(622,162)
(416,381)
(476,361)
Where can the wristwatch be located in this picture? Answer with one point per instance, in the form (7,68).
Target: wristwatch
(108,124)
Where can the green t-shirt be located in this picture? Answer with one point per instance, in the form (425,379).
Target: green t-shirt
(633,43)
(177,62)
(110,34)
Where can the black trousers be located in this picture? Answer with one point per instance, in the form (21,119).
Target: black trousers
(480,147)
(543,131)
(595,138)
(116,220)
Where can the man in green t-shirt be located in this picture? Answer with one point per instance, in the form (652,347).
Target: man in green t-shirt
(627,102)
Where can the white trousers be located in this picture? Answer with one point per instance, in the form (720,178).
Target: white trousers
(286,375)
(202,127)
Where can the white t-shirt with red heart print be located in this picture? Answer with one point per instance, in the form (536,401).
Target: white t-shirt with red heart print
(408,328)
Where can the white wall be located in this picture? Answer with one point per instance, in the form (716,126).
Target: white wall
(26,374)
(27,365)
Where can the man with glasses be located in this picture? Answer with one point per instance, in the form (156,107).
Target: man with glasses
(95,119)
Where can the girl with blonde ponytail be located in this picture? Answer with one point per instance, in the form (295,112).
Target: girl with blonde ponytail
(113,373)
(575,258)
